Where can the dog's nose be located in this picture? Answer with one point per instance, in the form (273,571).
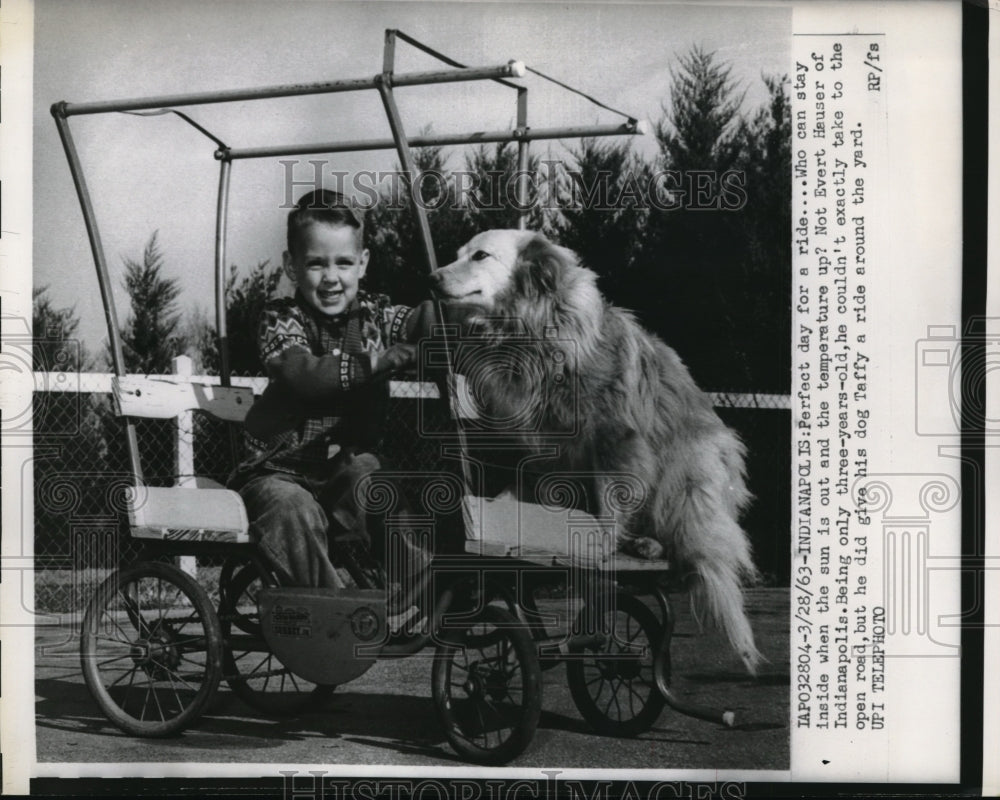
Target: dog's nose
(434,279)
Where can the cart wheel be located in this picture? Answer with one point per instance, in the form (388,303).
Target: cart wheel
(151,649)
(612,681)
(487,687)
(252,671)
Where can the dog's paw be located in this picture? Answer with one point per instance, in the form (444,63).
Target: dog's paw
(642,547)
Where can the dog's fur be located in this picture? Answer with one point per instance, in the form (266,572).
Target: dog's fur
(639,411)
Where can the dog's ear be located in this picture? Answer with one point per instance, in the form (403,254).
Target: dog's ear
(540,265)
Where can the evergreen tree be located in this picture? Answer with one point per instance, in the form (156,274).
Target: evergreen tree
(55,347)
(764,231)
(245,299)
(604,212)
(151,336)
(700,127)
(689,279)
(398,264)
(458,205)
(492,199)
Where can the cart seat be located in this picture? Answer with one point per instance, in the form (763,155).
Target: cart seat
(199,509)
(507,527)
(188,514)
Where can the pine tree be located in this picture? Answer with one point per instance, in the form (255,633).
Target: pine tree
(604,211)
(766,159)
(55,347)
(718,279)
(245,301)
(151,336)
(492,201)
(764,231)
(693,260)
(398,264)
(699,129)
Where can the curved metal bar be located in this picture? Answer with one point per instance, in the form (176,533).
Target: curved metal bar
(94,235)
(198,127)
(103,278)
(661,672)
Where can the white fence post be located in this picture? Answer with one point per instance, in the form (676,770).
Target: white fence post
(184,453)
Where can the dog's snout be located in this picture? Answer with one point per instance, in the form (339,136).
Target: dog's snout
(434,280)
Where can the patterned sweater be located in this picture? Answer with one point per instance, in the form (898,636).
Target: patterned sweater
(320,396)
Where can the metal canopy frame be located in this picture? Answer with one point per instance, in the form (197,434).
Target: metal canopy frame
(384,83)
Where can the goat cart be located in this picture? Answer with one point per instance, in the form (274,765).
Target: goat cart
(155,647)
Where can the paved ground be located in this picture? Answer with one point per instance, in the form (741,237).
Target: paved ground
(387,716)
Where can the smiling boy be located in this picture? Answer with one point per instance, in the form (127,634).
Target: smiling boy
(328,352)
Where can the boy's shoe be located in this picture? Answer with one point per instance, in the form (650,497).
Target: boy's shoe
(400,597)
(397,622)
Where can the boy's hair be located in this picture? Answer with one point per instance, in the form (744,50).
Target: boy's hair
(326,206)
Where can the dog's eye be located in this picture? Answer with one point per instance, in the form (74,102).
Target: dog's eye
(479,255)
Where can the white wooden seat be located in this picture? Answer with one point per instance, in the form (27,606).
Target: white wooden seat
(199,509)
(507,527)
(183,513)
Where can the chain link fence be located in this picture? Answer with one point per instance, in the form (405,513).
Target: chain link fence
(81,473)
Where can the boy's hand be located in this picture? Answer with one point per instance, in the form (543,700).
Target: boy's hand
(424,320)
(394,359)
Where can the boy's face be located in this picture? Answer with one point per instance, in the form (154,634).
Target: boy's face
(327,264)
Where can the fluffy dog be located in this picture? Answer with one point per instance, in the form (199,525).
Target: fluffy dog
(639,412)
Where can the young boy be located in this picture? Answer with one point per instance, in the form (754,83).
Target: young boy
(328,352)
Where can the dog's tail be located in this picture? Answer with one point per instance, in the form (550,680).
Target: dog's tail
(715,552)
(702,509)
(717,597)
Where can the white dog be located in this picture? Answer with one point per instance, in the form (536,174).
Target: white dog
(640,410)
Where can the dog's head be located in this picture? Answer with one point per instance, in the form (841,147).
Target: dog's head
(498,264)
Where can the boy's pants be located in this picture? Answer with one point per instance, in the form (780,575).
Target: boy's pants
(294,517)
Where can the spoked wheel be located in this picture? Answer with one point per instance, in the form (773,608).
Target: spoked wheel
(252,671)
(487,687)
(611,679)
(151,649)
